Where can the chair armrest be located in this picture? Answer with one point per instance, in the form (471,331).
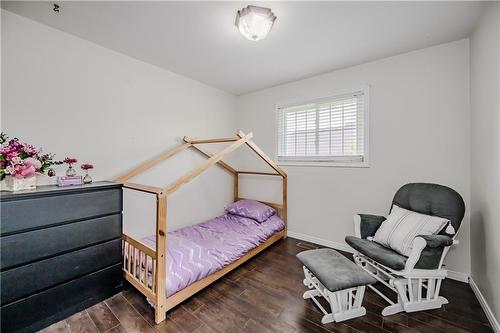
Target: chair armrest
(437,240)
(366,225)
(428,251)
(418,246)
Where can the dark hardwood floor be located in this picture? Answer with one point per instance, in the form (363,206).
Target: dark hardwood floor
(265,295)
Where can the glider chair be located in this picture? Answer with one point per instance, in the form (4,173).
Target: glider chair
(416,278)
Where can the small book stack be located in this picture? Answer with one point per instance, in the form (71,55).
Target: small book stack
(69,181)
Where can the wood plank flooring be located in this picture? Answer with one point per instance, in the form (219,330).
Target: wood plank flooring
(265,295)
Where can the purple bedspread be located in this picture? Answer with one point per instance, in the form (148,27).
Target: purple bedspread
(197,251)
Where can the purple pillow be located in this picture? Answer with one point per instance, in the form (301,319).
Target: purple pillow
(251,209)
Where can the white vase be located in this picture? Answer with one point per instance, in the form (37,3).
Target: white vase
(18,184)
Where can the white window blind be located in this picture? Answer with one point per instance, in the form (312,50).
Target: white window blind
(325,130)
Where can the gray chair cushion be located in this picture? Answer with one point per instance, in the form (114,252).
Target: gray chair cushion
(377,252)
(429,258)
(437,240)
(432,199)
(431,254)
(370,224)
(335,271)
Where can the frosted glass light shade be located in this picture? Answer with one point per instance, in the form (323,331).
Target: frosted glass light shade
(254,23)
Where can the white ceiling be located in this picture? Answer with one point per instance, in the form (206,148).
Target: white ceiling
(199,39)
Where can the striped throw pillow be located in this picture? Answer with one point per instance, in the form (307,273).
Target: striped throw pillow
(402,226)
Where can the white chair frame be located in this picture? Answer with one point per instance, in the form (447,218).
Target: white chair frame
(344,304)
(416,289)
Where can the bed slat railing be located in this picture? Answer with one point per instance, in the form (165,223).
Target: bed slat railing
(139,266)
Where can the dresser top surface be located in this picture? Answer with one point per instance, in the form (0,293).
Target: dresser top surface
(54,189)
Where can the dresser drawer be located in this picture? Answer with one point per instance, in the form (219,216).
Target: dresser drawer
(37,311)
(36,212)
(27,247)
(50,272)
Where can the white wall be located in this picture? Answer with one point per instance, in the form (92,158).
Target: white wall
(419,131)
(485,169)
(76,98)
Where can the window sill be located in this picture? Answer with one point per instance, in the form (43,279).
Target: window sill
(329,164)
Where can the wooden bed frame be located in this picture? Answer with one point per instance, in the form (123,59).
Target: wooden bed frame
(139,254)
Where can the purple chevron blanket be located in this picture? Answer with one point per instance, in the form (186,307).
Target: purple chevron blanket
(197,251)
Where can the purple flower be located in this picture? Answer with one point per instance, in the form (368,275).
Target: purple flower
(29,149)
(14,143)
(70,160)
(86,166)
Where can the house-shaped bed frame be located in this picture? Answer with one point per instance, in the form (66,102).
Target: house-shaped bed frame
(140,258)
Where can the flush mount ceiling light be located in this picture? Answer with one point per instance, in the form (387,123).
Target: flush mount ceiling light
(254,23)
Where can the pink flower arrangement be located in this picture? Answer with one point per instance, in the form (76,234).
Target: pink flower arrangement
(70,160)
(22,160)
(86,166)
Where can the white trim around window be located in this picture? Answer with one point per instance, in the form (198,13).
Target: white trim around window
(331,130)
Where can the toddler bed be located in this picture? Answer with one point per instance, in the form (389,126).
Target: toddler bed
(196,251)
(170,267)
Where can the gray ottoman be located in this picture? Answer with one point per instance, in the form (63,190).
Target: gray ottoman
(340,281)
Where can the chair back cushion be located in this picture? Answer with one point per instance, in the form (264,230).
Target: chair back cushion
(432,199)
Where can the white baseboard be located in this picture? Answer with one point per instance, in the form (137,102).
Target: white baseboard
(459,276)
(320,241)
(486,308)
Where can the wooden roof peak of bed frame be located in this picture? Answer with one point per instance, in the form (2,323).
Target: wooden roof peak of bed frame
(236,141)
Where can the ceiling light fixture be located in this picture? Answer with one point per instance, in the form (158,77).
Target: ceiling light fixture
(254,23)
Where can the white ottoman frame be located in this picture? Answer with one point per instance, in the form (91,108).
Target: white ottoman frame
(344,304)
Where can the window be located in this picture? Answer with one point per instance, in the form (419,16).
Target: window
(327,131)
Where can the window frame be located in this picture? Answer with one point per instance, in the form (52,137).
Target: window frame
(329,161)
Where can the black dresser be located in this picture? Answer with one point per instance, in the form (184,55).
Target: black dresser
(60,252)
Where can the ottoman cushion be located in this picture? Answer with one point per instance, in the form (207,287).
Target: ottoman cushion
(333,270)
